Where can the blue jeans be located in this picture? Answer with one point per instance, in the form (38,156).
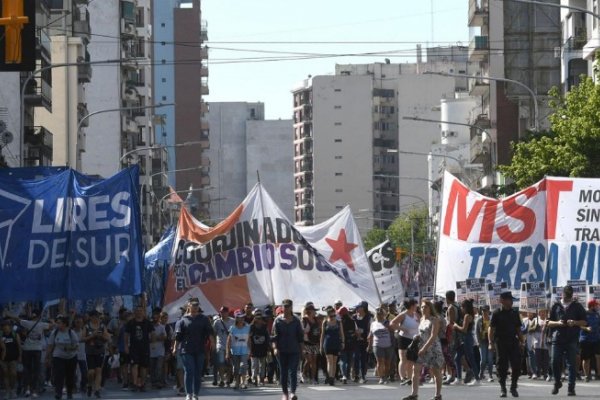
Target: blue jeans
(531,361)
(487,358)
(288,370)
(568,351)
(192,367)
(346,358)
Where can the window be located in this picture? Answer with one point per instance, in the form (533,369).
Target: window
(338,124)
(337,90)
(339,190)
(338,157)
(164,98)
(337,107)
(162,25)
(337,140)
(339,173)
(339,207)
(164,80)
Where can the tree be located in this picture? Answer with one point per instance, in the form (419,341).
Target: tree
(571,148)
(374,237)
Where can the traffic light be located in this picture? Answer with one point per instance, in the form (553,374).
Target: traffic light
(17,35)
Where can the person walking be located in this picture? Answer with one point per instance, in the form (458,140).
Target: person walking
(468,330)
(157,350)
(482,326)
(287,342)
(238,349)
(505,333)
(11,356)
(191,333)
(349,329)
(566,318)
(407,324)
(589,340)
(312,334)
(332,342)
(380,341)
(430,351)
(221,326)
(361,356)
(95,337)
(63,346)
(137,347)
(259,348)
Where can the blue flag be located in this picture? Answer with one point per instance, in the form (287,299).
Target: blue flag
(157,261)
(66,235)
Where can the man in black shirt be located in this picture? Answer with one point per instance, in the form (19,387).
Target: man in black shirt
(137,346)
(505,332)
(565,320)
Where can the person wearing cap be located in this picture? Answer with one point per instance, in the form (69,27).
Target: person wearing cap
(95,337)
(505,333)
(237,348)
(338,304)
(566,319)
(362,319)
(10,356)
(221,326)
(589,339)
(347,354)
(287,342)
(191,334)
(312,337)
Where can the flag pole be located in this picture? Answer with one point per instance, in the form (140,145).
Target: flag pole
(262,210)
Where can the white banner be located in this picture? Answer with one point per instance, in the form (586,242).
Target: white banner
(547,232)
(386,272)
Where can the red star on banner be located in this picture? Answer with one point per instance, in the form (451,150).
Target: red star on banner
(342,249)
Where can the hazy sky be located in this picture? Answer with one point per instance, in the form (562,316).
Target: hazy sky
(231,22)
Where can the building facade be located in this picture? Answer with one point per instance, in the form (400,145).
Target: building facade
(354,121)
(243,143)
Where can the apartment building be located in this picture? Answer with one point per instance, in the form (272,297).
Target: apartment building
(243,143)
(512,41)
(353,146)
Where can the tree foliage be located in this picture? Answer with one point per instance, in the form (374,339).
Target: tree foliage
(399,232)
(571,148)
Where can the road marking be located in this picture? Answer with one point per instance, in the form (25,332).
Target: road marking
(377,387)
(325,388)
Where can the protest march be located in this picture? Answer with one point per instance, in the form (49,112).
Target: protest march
(74,271)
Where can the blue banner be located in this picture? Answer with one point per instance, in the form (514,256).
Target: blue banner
(157,261)
(69,236)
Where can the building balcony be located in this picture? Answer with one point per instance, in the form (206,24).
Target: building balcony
(482,121)
(39,142)
(84,73)
(575,43)
(204,125)
(203,31)
(204,89)
(204,71)
(204,53)
(204,161)
(38,93)
(129,125)
(43,45)
(82,113)
(478,12)
(479,48)
(128,29)
(478,87)
(204,108)
(204,144)
(130,94)
(480,151)
(81,27)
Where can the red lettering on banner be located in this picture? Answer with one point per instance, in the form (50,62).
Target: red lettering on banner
(552,197)
(457,199)
(525,214)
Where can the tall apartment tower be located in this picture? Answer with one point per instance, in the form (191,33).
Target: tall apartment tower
(69,33)
(181,77)
(36,148)
(352,145)
(118,133)
(514,41)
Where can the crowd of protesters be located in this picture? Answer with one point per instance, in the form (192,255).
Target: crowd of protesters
(441,342)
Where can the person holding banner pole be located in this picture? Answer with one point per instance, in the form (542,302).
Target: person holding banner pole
(566,318)
(505,333)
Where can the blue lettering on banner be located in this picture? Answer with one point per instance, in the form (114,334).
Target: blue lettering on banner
(66,235)
(515,265)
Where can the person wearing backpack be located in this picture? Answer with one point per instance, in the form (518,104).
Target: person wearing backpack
(63,346)
(11,355)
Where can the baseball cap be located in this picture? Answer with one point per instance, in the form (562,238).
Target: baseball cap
(363,304)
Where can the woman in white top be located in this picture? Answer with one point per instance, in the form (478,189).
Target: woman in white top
(408,324)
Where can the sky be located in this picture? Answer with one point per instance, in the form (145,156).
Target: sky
(239,30)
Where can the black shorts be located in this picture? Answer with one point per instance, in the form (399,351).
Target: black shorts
(123,358)
(403,342)
(334,351)
(589,350)
(141,359)
(94,361)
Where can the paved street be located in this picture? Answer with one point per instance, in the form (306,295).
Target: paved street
(528,389)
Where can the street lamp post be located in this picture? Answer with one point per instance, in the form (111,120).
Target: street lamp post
(85,117)
(33,75)
(480,129)
(159,147)
(536,113)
